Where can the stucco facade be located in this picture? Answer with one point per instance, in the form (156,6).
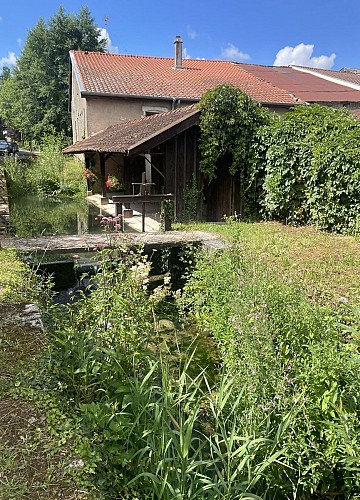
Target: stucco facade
(104,111)
(78,110)
(92,113)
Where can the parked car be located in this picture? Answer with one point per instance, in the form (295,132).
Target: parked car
(8,147)
(12,148)
(3,147)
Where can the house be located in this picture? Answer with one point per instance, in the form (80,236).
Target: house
(111,88)
(111,94)
(134,116)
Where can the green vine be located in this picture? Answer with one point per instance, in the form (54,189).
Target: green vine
(166,215)
(312,169)
(191,200)
(229,122)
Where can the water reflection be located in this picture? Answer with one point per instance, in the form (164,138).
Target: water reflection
(34,216)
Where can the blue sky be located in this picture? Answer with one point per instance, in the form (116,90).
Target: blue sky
(309,32)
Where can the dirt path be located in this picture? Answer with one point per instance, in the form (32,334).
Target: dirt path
(32,465)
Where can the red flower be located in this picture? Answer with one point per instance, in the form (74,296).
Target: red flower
(88,174)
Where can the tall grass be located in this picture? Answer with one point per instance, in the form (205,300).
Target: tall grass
(280,422)
(289,352)
(51,174)
(156,432)
(171,438)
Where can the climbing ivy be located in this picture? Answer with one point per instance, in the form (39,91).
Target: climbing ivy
(302,167)
(229,122)
(191,199)
(313,169)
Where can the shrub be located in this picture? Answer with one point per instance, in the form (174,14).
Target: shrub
(19,283)
(312,169)
(50,175)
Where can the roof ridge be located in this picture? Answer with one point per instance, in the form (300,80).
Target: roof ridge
(169,58)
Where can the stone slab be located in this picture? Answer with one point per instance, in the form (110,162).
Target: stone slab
(93,242)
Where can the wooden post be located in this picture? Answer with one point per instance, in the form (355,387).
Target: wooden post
(87,166)
(143,218)
(119,211)
(102,173)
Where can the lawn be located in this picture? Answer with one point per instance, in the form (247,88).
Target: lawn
(327,265)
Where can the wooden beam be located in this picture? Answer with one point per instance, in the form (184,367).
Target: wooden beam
(138,198)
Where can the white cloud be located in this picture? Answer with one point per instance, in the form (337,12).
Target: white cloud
(234,54)
(104,35)
(10,60)
(1,19)
(191,33)
(301,55)
(19,41)
(186,55)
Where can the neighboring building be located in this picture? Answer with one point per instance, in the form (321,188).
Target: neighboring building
(330,88)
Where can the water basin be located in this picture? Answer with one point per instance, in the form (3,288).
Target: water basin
(34,216)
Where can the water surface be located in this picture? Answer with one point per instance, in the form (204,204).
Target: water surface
(36,216)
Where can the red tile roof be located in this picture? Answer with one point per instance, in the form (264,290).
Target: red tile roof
(305,86)
(125,136)
(118,74)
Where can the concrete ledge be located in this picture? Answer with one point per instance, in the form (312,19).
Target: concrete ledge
(94,242)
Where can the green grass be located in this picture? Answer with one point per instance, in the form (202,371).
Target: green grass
(34,461)
(34,452)
(327,265)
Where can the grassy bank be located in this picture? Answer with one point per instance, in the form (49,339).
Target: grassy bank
(283,306)
(36,444)
(282,420)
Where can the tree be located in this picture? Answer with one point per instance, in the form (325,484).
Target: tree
(5,75)
(35,99)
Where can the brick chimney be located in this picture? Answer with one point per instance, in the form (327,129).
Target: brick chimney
(178,52)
